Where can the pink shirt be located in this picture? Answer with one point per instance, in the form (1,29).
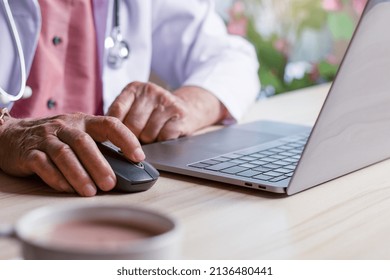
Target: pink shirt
(65,75)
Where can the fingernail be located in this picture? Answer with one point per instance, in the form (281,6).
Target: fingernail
(65,187)
(69,190)
(89,190)
(108,183)
(138,154)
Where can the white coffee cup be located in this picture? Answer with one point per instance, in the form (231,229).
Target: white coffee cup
(97,232)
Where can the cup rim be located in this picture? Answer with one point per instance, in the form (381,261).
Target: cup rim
(151,243)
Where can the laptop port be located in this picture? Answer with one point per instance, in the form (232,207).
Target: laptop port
(262,187)
(248,184)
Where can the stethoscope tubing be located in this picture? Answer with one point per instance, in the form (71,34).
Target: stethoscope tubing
(116,13)
(5,97)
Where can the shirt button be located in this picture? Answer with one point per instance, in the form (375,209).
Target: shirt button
(56,40)
(51,103)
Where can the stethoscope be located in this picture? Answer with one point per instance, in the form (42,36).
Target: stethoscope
(5,97)
(117,48)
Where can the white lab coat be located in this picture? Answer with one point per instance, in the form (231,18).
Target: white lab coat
(183,42)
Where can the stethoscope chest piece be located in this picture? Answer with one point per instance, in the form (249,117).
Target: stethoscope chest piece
(118,49)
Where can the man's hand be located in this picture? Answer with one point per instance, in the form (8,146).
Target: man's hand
(62,150)
(155,114)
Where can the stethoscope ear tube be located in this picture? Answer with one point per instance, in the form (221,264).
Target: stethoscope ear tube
(5,97)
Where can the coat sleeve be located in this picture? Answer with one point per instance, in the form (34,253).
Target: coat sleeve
(192,47)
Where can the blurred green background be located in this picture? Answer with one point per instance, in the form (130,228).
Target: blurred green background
(299,43)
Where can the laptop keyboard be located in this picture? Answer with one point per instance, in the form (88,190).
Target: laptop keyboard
(272,164)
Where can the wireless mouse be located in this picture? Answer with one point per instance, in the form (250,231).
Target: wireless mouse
(130,176)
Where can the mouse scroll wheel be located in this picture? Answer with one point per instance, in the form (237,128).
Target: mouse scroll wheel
(138,164)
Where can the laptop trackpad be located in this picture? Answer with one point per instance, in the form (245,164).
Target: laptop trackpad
(238,137)
(200,147)
(224,140)
(215,143)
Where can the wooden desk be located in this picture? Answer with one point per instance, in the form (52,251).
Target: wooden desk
(348,218)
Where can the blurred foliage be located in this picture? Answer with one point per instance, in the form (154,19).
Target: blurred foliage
(274,50)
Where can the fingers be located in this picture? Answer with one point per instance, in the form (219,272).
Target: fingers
(69,165)
(41,165)
(135,104)
(77,157)
(122,104)
(171,130)
(62,151)
(81,161)
(146,100)
(163,124)
(154,124)
(149,109)
(109,128)
(92,160)
(74,152)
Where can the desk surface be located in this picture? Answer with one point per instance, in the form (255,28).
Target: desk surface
(348,218)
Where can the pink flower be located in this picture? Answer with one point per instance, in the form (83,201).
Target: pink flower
(238,22)
(359,5)
(238,27)
(238,8)
(332,5)
(282,46)
(332,59)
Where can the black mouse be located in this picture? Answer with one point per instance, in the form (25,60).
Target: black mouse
(130,176)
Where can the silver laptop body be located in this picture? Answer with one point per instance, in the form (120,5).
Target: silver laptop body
(352,130)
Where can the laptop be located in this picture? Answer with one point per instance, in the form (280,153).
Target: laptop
(351,132)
